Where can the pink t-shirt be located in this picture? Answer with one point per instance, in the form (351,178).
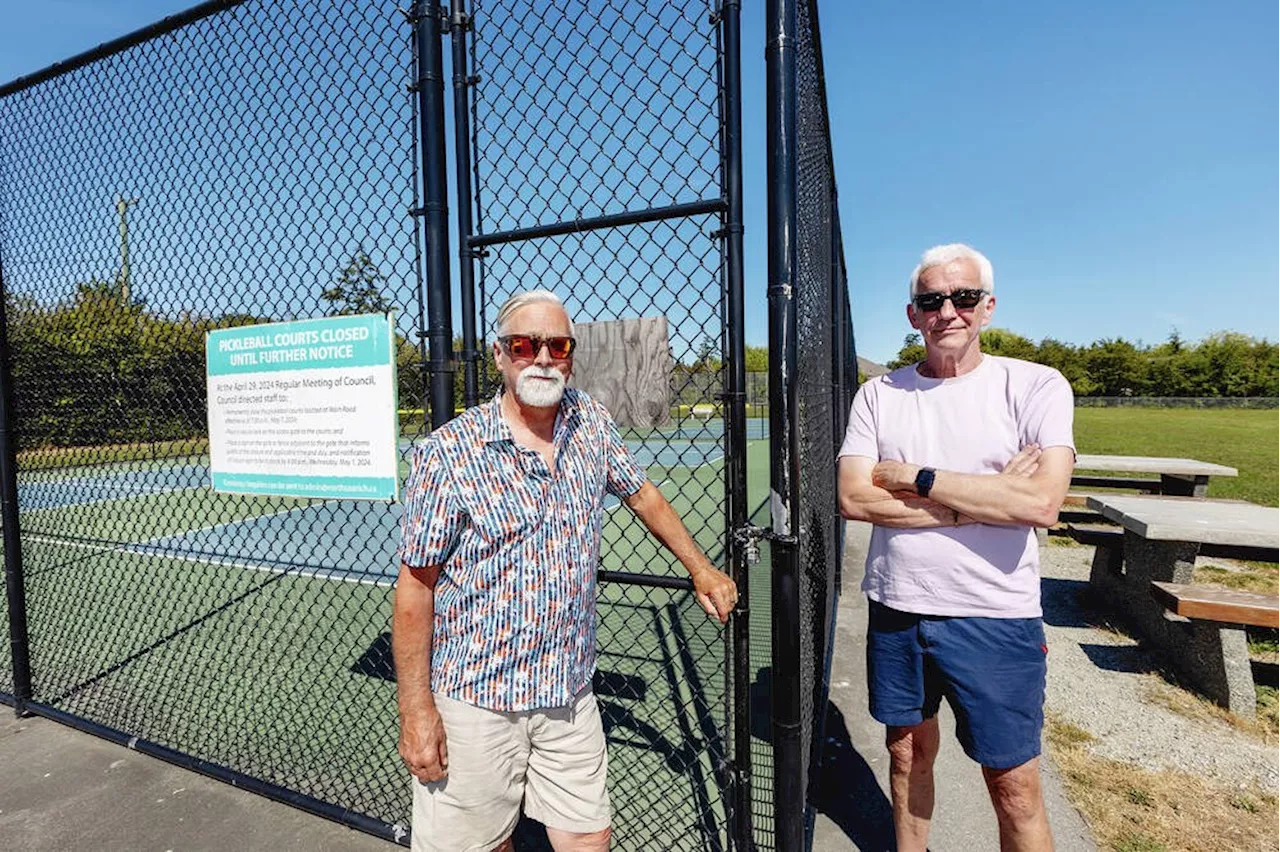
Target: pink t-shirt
(972,423)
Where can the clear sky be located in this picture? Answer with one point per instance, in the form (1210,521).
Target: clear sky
(1116,161)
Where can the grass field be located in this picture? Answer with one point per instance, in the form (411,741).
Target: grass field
(1243,439)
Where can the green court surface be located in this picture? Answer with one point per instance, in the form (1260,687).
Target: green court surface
(139,621)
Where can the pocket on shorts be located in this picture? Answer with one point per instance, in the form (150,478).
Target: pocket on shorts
(1033,629)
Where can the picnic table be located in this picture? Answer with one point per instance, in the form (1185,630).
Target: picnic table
(1162,538)
(1178,477)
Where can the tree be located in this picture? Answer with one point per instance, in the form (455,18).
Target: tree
(356,290)
(912,352)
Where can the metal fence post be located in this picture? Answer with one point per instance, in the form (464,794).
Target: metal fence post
(459,24)
(435,207)
(735,418)
(13,581)
(781,143)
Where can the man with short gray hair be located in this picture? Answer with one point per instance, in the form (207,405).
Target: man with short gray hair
(493,630)
(955,460)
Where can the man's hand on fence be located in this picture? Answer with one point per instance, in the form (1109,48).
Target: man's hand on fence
(716,591)
(422,745)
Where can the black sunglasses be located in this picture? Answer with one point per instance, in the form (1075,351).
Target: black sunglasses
(963,300)
(527,346)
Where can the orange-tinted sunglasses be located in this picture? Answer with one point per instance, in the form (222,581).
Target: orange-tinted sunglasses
(527,346)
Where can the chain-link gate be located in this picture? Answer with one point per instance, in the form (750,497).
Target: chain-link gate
(247,162)
(604,169)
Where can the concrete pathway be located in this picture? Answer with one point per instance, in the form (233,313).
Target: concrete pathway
(63,791)
(855,813)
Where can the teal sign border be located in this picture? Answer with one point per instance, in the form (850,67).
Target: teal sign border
(345,342)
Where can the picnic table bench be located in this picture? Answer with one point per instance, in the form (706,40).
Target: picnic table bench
(1161,538)
(1215,654)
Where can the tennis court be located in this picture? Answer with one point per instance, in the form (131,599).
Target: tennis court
(144,587)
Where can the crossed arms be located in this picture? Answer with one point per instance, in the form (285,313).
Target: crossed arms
(1028,492)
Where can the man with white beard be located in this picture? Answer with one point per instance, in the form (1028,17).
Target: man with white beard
(493,629)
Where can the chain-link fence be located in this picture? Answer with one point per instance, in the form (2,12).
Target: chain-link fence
(815,374)
(252,162)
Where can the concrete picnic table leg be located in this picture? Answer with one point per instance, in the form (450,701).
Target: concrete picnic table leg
(1211,656)
(1177,485)
(1146,561)
(1216,662)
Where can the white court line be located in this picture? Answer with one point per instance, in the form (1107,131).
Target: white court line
(121,496)
(138,550)
(244,520)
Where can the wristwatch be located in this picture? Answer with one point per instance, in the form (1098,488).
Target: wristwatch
(924,481)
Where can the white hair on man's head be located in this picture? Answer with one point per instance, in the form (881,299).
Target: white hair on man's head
(942,255)
(529,297)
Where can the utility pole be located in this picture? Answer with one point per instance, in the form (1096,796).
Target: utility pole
(122,206)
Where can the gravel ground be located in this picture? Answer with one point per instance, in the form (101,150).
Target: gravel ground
(1098,680)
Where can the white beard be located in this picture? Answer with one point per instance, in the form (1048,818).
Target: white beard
(538,393)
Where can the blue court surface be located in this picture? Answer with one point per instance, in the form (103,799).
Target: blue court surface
(347,540)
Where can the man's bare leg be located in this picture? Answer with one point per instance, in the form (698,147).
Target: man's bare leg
(568,841)
(912,751)
(1019,804)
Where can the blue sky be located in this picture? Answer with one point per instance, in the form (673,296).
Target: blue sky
(1117,161)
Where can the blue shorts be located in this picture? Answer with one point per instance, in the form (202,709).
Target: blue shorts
(991,670)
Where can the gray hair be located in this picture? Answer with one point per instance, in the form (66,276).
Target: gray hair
(942,255)
(529,297)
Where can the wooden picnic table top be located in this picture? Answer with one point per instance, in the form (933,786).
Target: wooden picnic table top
(1150,464)
(1225,522)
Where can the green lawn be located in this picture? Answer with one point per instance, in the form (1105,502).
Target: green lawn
(1240,438)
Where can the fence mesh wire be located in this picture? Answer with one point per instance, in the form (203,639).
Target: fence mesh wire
(590,109)
(253,165)
(824,353)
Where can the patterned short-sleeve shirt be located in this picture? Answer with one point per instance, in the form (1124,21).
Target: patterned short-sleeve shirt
(519,546)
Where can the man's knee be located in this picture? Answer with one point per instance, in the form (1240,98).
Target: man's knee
(1015,793)
(914,747)
(594,841)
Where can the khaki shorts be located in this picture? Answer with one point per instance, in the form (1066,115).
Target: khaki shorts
(552,761)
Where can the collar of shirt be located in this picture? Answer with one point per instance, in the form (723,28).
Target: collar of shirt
(495,428)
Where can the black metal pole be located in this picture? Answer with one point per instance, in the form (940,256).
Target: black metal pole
(435,207)
(119,45)
(599,223)
(735,417)
(13,582)
(459,23)
(781,140)
(839,334)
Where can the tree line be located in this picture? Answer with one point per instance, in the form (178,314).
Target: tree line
(100,367)
(1226,364)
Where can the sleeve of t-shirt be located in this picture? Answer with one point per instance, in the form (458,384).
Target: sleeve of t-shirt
(625,475)
(860,435)
(1049,413)
(432,517)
